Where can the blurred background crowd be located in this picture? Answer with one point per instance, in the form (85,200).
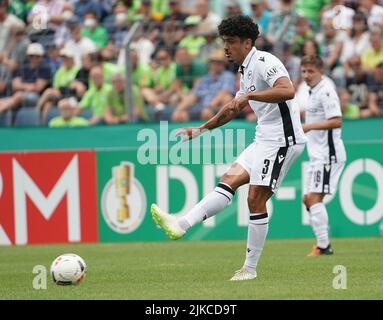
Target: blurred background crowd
(62,62)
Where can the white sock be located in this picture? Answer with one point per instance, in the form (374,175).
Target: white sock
(210,205)
(256,236)
(319,223)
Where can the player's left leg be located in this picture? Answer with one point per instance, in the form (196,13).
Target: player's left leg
(319,223)
(269,167)
(257,231)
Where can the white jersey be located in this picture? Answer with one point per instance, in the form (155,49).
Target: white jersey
(278,123)
(324,146)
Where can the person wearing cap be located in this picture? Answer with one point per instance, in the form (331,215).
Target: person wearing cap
(211,93)
(212,41)
(68,108)
(30,80)
(192,41)
(62,80)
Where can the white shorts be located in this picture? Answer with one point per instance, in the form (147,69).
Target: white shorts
(268,165)
(322,178)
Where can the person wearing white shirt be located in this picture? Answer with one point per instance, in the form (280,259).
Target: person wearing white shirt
(325,148)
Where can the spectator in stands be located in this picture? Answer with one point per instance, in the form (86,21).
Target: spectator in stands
(340,14)
(303,34)
(52,58)
(120,26)
(50,11)
(170,36)
(16,49)
(115,111)
(208,95)
(282,25)
(233,8)
(30,80)
(82,81)
(349,109)
(5,77)
(68,109)
(310,47)
(310,9)
(77,43)
(84,6)
(192,40)
(161,93)
(62,80)
(62,34)
(176,13)
(292,64)
(373,11)
(93,31)
(188,71)
(358,42)
(261,15)
(374,56)
(19,8)
(212,41)
(331,45)
(207,17)
(356,85)
(7,22)
(375,88)
(96,96)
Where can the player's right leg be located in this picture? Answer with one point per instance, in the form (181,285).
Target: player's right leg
(210,205)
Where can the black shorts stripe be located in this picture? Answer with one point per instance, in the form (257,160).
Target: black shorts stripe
(258,216)
(227,188)
(278,162)
(326,178)
(331,147)
(223,194)
(287,124)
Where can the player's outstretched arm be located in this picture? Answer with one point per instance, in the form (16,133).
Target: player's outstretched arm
(227,113)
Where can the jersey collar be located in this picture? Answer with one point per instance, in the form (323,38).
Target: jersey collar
(317,86)
(246,62)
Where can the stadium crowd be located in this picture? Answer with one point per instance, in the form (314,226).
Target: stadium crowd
(62,62)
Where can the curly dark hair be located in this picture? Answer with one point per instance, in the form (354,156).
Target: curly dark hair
(239,25)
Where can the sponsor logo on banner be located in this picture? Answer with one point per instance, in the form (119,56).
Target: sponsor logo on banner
(123,200)
(48,197)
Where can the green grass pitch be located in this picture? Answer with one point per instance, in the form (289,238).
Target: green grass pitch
(199,270)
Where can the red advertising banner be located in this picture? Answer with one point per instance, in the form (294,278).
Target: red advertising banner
(48,197)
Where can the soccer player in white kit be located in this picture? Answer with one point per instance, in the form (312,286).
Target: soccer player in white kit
(325,148)
(265,85)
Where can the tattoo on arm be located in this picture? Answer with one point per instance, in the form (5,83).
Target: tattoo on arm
(220,119)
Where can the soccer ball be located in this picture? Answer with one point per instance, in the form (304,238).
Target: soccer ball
(68,269)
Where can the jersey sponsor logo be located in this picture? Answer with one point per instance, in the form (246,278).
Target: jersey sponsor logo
(281,157)
(249,74)
(272,72)
(262,59)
